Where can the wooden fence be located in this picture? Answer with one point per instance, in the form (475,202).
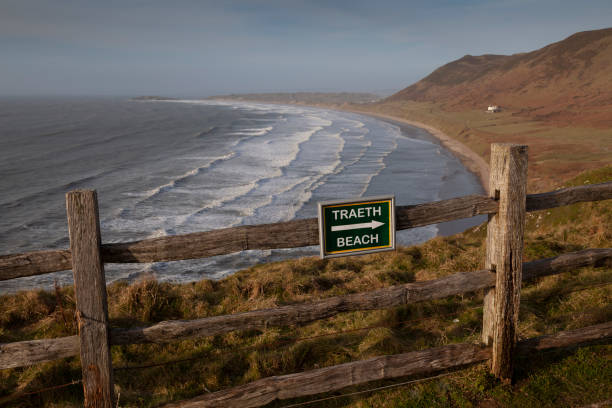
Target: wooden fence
(501,280)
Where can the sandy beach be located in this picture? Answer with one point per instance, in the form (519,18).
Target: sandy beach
(454,187)
(459,183)
(472,161)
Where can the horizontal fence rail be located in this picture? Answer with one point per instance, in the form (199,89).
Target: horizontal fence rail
(567,196)
(266,390)
(29,352)
(501,281)
(291,234)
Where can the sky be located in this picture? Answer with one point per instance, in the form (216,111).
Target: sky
(203,48)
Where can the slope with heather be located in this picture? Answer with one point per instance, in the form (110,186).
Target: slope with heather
(568,82)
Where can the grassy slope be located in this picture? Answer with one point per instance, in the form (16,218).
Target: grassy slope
(571,300)
(556,153)
(567,82)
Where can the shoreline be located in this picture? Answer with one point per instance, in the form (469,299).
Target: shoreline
(456,186)
(472,161)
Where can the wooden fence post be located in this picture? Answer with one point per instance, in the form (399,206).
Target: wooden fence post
(90,293)
(508,184)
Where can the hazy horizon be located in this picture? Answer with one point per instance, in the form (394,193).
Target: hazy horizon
(197,49)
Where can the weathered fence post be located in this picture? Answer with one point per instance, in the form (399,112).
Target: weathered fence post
(508,184)
(90,292)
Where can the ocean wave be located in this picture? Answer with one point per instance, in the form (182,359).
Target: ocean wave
(206,132)
(152,193)
(278,154)
(306,193)
(60,189)
(301,190)
(381,167)
(276,159)
(251,132)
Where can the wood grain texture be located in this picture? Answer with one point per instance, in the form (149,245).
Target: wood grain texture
(34,263)
(410,216)
(25,353)
(90,293)
(571,195)
(337,377)
(379,299)
(566,338)
(333,378)
(290,234)
(565,262)
(218,242)
(504,254)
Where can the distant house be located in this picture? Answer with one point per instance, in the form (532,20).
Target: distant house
(493,109)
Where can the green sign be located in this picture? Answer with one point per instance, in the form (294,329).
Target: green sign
(356,226)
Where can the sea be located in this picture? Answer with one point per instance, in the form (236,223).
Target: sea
(167,167)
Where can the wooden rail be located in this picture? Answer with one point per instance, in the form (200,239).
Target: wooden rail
(289,234)
(502,279)
(567,196)
(266,390)
(37,351)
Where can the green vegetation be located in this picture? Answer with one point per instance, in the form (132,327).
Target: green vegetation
(571,300)
(557,153)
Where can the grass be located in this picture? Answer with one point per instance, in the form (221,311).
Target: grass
(570,300)
(557,153)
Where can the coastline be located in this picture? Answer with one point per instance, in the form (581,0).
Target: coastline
(472,161)
(463,181)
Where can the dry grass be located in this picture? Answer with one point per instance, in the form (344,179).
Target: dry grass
(551,304)
(556,153)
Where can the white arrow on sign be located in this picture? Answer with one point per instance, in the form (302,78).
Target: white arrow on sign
(372,224)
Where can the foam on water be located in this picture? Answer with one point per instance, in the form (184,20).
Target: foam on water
(183,177)
(245,163)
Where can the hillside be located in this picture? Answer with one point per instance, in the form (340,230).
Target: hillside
(150,375)
(557,100)
(567,83)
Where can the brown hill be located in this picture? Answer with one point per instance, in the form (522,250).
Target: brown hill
(568,82)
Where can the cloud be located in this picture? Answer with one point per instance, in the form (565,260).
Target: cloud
(230,46)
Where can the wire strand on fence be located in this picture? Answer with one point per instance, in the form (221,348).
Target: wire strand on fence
(300,339)
(23,394)
(350,394)
(580,289)
(254,346)
(290,341)
(599,285)
(237,350)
